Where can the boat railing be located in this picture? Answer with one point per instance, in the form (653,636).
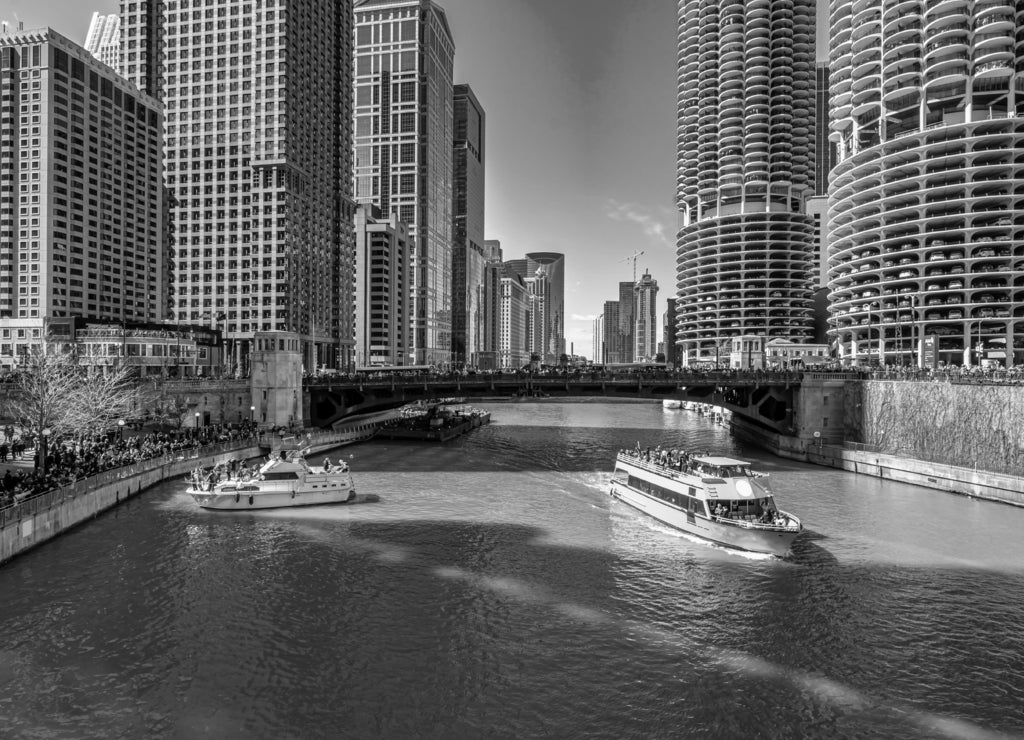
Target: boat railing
(654,467)
(672,471)
(792,523)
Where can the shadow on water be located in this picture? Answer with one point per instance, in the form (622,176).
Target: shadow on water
(434,628)
(807,550)
(582,603)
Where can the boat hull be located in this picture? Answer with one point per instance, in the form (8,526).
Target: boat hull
(759,540)
(274,498)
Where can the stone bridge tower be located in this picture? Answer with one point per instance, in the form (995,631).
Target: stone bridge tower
(276,378)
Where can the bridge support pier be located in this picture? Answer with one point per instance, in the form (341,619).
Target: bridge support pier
(818,410)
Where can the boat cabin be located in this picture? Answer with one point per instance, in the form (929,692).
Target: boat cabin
(721,467)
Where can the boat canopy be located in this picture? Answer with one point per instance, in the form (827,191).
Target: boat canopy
(720,461)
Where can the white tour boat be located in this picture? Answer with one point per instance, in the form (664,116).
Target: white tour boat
(716,498)
(285,479)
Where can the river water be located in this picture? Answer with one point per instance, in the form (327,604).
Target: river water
(498,591)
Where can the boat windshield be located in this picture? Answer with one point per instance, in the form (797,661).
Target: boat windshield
(749,509)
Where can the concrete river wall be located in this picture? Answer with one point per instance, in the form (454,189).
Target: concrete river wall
(39,519)
(867,460)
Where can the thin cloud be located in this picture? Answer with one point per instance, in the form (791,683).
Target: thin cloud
(653,227)
(581,317)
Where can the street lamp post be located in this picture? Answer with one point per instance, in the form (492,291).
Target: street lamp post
(252,414)
(197,424)
(120,429)
(44,437)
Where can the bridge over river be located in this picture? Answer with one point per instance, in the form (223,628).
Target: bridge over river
(787,403)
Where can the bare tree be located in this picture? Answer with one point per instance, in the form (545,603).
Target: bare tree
(165,408)
(54,392)
(105,398)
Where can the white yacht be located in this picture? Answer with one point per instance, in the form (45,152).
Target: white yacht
(285,479)
(717,498)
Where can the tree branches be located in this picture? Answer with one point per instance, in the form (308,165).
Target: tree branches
(54,392)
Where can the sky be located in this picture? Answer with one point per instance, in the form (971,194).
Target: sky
(580,98)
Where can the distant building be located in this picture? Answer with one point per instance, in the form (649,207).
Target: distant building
(104,38)
(550,342)
(468,256)
(150,349)
(382,298)
(598,350)
(756,353)
(616,349)
(669,333)
(81,235)
(513,347)
(645,322)
(404,117)
(489,326)
(626,344)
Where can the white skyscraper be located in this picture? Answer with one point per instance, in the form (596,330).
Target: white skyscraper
(104,38)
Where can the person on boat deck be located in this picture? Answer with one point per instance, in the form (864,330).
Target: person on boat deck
(327,465)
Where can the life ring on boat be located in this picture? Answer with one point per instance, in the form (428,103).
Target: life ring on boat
(250,499)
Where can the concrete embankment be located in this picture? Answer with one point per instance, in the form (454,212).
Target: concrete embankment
(949,478)
(40,519)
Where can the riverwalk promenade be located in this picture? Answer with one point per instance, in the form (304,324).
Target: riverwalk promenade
(37,518)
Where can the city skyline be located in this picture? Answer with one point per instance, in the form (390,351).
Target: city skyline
(581,130)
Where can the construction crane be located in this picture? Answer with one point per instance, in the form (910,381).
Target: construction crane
(633,257)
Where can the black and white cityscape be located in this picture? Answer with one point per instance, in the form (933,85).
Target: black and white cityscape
(511,369)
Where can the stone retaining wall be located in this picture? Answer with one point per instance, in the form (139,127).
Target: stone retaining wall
(982,484)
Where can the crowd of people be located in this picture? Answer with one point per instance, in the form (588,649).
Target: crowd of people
(72,459)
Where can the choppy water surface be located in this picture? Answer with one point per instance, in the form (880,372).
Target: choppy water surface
(497,591)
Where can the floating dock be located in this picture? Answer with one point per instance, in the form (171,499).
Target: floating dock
(440,428)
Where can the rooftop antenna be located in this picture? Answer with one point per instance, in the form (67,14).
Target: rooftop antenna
(633,257)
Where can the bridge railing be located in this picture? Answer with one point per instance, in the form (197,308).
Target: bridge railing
(486,379)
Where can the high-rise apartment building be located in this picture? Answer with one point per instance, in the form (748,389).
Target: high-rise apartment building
(81,207)
(404,116)
(925,250)
(468,257)
(103,40)
(746,113)
(597,351)
(645,322)
(382,300)
(258,148)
